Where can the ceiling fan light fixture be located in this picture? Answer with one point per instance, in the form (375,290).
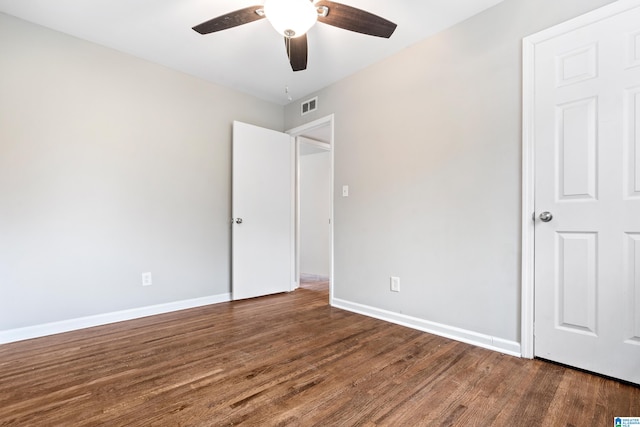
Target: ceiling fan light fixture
(291,18)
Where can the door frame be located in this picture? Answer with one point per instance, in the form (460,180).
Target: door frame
(529,43)
(300,131)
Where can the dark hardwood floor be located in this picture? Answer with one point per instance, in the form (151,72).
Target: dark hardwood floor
(289,360)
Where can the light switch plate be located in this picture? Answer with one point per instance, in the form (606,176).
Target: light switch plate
(395,284)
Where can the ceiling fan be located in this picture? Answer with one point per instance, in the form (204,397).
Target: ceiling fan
(293,18)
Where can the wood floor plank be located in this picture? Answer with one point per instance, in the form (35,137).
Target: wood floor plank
(289,360)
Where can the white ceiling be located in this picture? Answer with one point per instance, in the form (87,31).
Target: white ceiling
(250,58)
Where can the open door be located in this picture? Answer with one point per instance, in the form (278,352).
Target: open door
(262,209)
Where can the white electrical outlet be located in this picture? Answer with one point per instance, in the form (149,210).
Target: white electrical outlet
(395,284)
(345,191)
(146,279)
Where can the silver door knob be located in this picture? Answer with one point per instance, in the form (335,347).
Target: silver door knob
(546,216)
(238,220)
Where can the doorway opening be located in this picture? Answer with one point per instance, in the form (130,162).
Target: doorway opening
(314,143)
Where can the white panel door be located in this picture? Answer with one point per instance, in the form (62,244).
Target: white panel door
(587,176)
(262,207)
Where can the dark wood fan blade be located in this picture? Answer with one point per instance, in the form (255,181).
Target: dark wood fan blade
(230,20)
(297,52)
(353,19)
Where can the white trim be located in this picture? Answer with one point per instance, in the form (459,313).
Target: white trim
(528,150)
(312,142)
(528,201)
(295,132)
(607,11)
(511,348)
(293,164)
(37,331)
(312,125)
(296,214)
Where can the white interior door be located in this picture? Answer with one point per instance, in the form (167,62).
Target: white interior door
(587,176)
(262,209)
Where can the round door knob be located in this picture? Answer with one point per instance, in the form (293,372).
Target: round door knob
(546,216)
(238,220)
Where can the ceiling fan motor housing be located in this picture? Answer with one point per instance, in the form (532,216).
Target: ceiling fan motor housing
(291,18)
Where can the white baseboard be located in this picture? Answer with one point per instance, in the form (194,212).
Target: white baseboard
(314,277)
(481,340)
(470,337)
(42,330)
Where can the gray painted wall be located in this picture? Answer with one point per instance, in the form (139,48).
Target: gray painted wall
(429,142)
(110,166)
(315,211)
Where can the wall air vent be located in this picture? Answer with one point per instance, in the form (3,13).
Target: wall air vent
(309,105)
